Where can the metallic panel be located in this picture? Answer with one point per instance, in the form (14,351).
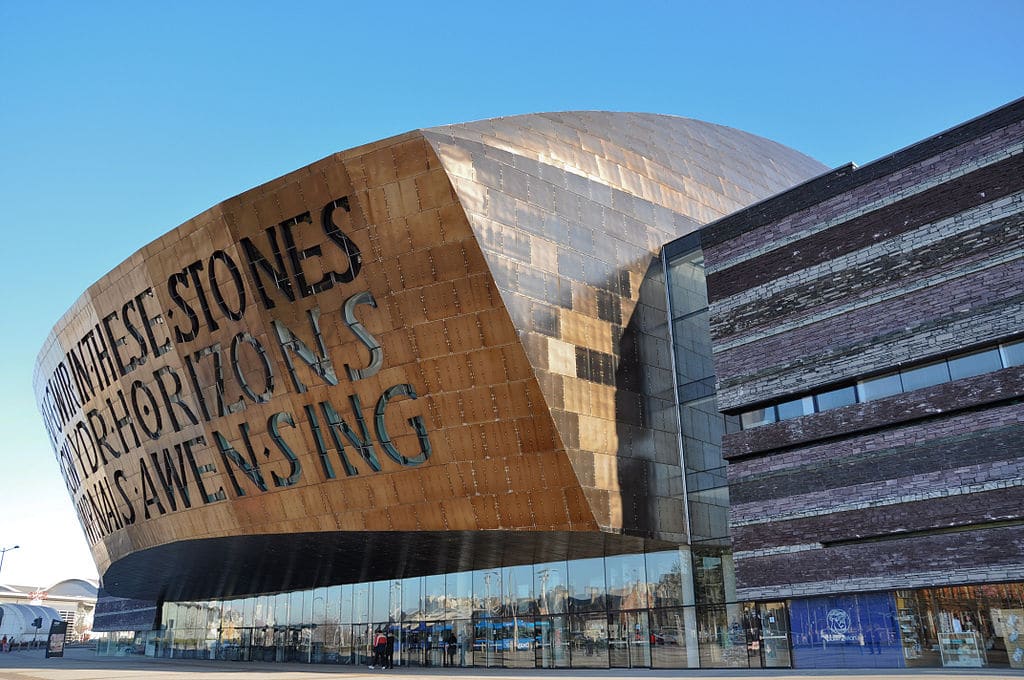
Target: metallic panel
(452,332)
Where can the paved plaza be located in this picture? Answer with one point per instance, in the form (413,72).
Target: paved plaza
(83,664)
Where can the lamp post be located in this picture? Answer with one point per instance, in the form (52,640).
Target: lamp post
(3,551)
(396,600)
(312,627)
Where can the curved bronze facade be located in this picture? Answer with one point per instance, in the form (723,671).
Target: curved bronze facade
(440,351)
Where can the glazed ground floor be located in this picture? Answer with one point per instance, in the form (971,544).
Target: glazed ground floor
(666,609)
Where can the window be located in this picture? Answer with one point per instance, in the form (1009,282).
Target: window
(975,363)
(913,378)
(761,416)
(925,376)
(844,396)
(1013,353)
(882,386)
(796,408)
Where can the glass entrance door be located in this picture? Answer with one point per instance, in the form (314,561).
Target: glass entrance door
(552,635)
(775,635)
(629,640)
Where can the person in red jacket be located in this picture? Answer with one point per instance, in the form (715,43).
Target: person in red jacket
(380,643)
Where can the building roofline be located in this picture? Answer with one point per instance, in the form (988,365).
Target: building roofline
(849,176)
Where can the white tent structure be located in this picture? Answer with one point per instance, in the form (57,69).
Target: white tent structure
(16,622)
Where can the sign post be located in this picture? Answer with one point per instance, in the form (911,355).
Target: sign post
(55,641)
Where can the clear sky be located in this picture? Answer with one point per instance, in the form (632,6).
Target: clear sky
(119,121)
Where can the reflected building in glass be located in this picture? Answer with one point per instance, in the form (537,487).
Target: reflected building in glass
(539,392)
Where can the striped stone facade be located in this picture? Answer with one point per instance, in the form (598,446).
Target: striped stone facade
(863,272)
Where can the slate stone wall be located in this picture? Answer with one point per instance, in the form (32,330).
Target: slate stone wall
(917,256)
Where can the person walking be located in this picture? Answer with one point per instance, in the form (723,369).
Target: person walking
(389,651)
(3,644)
(450,647)
(380,642)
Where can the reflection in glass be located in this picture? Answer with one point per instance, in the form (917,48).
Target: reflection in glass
(517,591)
(668,579)
(975,363)
(1013,353)
(844,396)
(361,603)
(332,607)
(925,376)
(758,416)
(551,587)
(433,597)
(587,585)
(629,639)
(345,607)
(775,634)
(297,603)
(459,595)
(626,582)
(380,601)
(668,638)
(589,640)
(412,598)
(552,642)
(877,388)
(519,642)
(796,408)
(723,641)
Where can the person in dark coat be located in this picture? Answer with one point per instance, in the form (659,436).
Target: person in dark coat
(389,651)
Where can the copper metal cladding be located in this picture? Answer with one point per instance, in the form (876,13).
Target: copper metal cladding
(442,350)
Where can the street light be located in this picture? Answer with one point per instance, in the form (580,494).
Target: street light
(312,627)
(3,551)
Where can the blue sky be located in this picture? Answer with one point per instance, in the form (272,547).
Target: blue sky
(119,121)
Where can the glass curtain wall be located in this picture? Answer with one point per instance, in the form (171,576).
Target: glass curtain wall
(722,623)
(623,611)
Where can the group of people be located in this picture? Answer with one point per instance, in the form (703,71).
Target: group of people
(6,644)
(383,650)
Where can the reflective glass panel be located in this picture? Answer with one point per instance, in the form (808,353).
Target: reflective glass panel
(1013,353)
(333,608)
(298,602)
(844,396)
(281,609)
(668,638)
(758,416)
(487,592)
(264,610)
(686,283)
(668,576)
(796,408)
(629,639)
(459,594)
(433,597)
(318,606)
(552,641)
(551,587)
(248,604)
(345,609)
(587,585)
(589,635)
(380,601)
(361,603)
(925,376)
(723,641)
(517,588)
(882,386)
(975,363)
(412,598)
(626,580)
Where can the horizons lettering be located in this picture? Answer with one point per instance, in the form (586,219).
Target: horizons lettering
(98,423)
